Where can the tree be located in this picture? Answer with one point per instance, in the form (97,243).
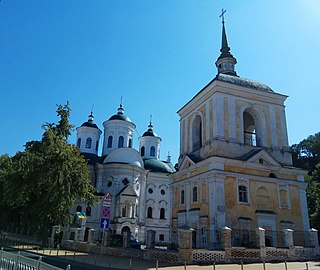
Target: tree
(41,184)
(313,197)
(306,154)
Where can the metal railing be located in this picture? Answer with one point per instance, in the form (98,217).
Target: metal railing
(13,261)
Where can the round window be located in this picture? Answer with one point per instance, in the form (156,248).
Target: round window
(125,181)
(162,192)
(150,190)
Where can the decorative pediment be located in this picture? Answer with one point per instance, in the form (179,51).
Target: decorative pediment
(127,191)
(186,163)
(264,158)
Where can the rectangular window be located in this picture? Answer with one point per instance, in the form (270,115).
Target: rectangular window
(243,194)
(182,197)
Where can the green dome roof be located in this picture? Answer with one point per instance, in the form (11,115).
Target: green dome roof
(156,165)
(150,131)
(90,122)
(120,115)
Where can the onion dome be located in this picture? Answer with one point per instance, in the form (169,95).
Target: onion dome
(120,115)
(150,131)
(90,122)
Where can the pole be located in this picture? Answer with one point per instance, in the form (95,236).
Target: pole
(241,265)
(307,267)
(264,265)
(130,264)
(214,266)
(285,265)
(185,265)
(157,264)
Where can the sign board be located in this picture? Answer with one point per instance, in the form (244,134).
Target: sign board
(107,200)
(104,223)
(107,197)
(105,213)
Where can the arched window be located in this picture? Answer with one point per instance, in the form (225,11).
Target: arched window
(142,151)
(249,129)
(149,212)
(88,143)
(79,142)
(162,213)
(195,194)
(97,145)
(152,151)
(124,211)
(182,197)
(130,143)
(243,194)
(79,208)
(110,142)
(120,142)
(196,133)
(88,211)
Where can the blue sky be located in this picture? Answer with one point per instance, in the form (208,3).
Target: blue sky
(156,54)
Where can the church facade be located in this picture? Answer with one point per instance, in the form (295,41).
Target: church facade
(235,166)
(137,182)
(234,169)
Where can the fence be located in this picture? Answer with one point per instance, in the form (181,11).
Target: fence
(11,261)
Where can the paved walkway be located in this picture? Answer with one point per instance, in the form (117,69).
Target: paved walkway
(111,262)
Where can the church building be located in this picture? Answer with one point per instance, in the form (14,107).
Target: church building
(235,166)
(137,182)
(234,169)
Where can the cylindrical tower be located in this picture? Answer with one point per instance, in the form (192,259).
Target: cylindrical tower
(149,144)
(118,132)
(88,136)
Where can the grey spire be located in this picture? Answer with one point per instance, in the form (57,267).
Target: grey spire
(225,62)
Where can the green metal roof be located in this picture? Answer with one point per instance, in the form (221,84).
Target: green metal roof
(156,165)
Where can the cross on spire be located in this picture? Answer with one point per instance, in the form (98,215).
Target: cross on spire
(223,11)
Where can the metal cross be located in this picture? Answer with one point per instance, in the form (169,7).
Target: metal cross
(223,11)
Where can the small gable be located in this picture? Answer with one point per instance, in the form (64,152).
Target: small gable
(127,191)
(186,163)
(263,158)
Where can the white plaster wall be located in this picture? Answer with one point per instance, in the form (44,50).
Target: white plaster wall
(117,128)
(88,132)
(147,142)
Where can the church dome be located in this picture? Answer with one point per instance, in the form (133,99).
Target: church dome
(120,115)
(156,165)
(150,132)
(90,122)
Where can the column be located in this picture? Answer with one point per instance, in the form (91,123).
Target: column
(288,238)
(91,233)
(226,237)
(261,242)
(185,243)
(151,239)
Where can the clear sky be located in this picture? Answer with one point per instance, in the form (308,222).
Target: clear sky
(156,54)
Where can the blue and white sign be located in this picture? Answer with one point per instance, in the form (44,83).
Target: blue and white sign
(104,223)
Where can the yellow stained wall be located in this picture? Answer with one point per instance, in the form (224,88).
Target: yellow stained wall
(234,210)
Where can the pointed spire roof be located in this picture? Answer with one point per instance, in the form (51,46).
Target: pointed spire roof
(225,62)
(225,49)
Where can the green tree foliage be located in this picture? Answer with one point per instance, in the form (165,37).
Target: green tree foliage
(41,184)
(306,155)
(313,197)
